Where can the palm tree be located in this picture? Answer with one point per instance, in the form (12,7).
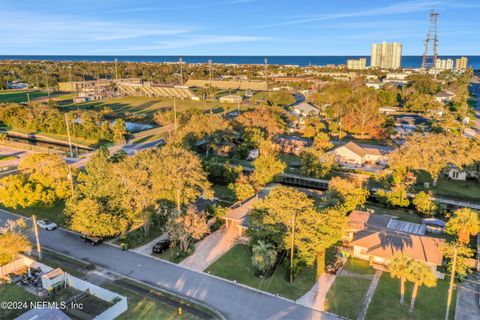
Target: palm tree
(399,268)
(420,274)
(264,256)
(465,222)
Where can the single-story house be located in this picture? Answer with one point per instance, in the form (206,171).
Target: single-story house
(378,238)
(443,97)
(462,174)
(43,314)
(355,154)
(237,216)
(304,109)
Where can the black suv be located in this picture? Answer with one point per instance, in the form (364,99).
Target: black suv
(93,240)
(161,246)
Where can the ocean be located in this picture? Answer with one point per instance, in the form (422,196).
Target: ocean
(407,61)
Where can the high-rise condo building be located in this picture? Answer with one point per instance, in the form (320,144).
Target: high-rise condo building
(444,64)
(461,63)
(357,64)
(386,55)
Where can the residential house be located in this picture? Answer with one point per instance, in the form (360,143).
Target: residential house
(443,97)
(352,153)
(304,109)
(231,98)
(378,238)
(292,144)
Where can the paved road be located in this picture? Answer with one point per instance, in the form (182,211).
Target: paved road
(232,300)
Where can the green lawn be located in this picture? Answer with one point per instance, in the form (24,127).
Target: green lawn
(236,265)
(6,157)
(222,192)
(174,255)
(143,307)
(430,303)
(346,296)
(54,213)
(13,293)
(467,190)
(359,266)
(20,96)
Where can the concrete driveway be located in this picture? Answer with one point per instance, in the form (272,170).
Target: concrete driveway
(234,301)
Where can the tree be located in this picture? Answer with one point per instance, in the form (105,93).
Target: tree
(185,227)
(242,188)
(263,256)
(424,204)
(271,120)
(433,152)
(17,191)
(347,193)
(420,274)
(49,170)
(282,98)
(11,245)
(93,218)
(399,268)
(464,253)
(464,223)
(119,131)
(267,167)
(319,231)
(316,162)
(178,176)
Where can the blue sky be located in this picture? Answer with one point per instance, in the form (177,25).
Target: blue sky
(232,27)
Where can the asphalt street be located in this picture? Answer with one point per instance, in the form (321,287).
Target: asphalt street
(232,300)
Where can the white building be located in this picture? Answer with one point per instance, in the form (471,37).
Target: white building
(357,64)
(386,55)
(352,153)
(461,63)
(444,64)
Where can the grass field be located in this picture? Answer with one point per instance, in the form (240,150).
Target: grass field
(347,293)
(466,190)
(6,157)
(54,213)
(20,96)
(430,303)
(13,293)
(236,265)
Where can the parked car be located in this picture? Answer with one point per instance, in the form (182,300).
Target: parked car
(161,246)
(92,240)
(334,264)
(47,224)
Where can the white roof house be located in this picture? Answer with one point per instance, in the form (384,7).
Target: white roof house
(304,109)
(355,154)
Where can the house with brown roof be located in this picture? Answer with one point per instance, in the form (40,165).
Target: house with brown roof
(352,153)
(378,238)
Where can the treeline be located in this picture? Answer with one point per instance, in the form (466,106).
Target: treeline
(40,117)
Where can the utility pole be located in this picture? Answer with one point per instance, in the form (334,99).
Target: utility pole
(38,83)
(68,135)
(70,177)
(28,97)
(70,74)
(340,129)
(37,238)
(292,245)
(238,101)
(452,281)
(174,115)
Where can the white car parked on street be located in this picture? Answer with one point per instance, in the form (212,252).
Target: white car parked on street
(47,224)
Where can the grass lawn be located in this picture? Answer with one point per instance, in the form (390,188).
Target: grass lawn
(430,303)
(142,105)
(54,213)
(137,238)
(347,293)
(20,96)
(13,293)
(6,157)
(346,296)
(467,190)
(143,307)
(236,265)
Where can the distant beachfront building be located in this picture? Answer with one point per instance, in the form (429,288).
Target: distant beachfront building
(444,64)
(386,55)
(357,64)
(461,63)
